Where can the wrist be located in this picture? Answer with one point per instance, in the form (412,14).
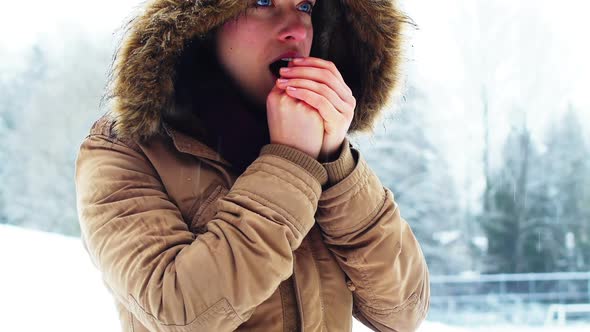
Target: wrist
(331,155)
(342,166)
(299,157)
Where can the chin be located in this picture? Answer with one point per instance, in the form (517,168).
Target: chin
(264,87)
(268,86)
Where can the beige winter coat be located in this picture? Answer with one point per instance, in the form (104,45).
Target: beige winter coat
(185,243)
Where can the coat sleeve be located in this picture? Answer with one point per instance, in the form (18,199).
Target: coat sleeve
(374,246)
(170,279)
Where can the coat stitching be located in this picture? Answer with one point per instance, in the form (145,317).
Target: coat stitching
(321,292)
(364,276)
(292,163)
(361,174)
(220,307)
(355,188)
(364,221)
(366,281)
(258,169)
(410,303)
(197,206)
(283,301)
(267,203)
(131,318)
(257,166)
(217,193)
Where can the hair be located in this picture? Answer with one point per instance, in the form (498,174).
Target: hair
(362,38)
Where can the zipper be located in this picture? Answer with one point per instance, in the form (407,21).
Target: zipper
(297,296)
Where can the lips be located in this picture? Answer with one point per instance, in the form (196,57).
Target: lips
(282,61)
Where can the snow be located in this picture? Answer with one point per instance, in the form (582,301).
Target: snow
(49,282)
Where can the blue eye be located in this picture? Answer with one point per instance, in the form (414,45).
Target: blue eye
(263,2)
(309,7)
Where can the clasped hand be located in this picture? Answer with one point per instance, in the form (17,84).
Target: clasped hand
(319,84)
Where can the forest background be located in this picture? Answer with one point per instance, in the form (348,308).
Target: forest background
(485,148)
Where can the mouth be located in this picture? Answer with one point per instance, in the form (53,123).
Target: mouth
(276,66)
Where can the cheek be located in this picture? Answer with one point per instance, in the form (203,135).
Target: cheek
(252,34)
(243,40)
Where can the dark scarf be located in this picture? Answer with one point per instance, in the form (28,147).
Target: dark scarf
(211,108)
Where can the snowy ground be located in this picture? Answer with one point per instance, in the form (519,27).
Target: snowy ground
(47,283)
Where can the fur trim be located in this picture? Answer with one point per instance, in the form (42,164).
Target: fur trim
(363,38)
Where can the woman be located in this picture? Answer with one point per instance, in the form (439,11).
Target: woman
(213,198)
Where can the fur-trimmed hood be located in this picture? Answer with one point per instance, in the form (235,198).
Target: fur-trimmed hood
(362,37)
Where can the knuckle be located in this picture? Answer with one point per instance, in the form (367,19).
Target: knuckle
(332,65)
(320,100)
(299,104)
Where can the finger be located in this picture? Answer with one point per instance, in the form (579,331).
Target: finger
(331,116)
(319,88)
(320,75)
(319,63)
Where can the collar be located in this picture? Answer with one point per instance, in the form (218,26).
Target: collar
(187,144)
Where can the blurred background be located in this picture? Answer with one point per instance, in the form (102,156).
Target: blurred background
(487,150)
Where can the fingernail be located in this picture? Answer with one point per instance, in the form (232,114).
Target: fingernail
(298,60)
(285,70)
(290,88)
(282,80)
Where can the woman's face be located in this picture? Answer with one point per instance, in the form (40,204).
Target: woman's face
(247,45)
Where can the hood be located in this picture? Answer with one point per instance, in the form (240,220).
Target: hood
(362,38)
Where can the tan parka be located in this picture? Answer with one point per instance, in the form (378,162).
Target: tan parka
(186,243)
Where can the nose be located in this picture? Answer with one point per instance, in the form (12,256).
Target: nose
(294,28)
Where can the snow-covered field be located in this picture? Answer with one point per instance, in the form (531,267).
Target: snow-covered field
(47,283)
